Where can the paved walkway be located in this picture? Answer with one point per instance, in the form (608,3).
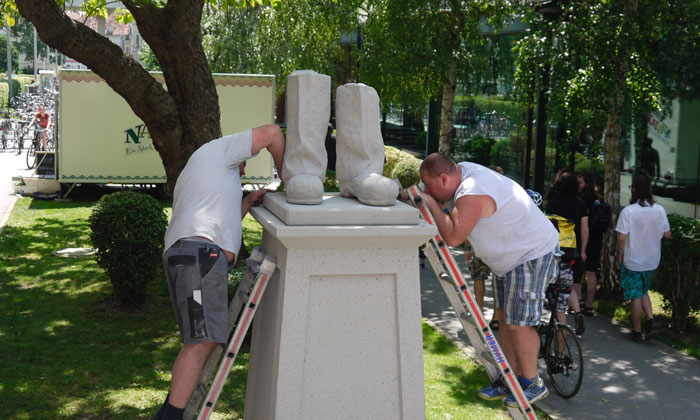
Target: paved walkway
(622,379)
(11,164)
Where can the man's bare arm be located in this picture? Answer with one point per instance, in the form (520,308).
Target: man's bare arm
(255,198)
(620,247)
(270,137)
(458,224)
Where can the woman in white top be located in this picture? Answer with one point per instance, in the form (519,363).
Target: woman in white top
(640,228)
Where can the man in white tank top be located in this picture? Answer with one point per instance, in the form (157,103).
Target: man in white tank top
(515,239)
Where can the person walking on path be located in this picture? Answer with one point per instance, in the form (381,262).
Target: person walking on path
(202,243)
(588,191)
(515,239)
(567,205)
(640,228)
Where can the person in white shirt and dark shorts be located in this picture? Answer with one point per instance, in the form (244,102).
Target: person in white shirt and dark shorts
(640,228)
(202,242)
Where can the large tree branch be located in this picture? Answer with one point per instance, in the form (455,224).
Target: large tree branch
(173,33)
(119,70)
(181,118)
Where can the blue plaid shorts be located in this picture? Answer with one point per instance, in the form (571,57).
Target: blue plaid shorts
(521,292)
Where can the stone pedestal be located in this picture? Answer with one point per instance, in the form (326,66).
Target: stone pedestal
(338,335)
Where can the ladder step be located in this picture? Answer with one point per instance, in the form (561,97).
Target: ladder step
(202,389)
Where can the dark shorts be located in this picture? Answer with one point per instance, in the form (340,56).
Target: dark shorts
(593,248)
(197,273)
(635,284)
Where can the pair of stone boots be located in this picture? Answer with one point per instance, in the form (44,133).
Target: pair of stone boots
(359,144)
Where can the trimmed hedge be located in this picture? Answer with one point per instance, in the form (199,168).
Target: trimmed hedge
(127,229)
(402,165)
(4,93)
(19,84)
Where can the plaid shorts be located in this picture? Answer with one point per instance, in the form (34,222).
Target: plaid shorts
(479,270)
(635,284)
(521,292)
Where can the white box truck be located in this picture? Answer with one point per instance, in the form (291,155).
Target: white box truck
(101,140)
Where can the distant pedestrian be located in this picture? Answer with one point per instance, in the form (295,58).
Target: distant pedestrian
(649,157)
(567,205)
(640,228)
(588,192)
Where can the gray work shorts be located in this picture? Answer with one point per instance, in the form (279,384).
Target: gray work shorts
(197,273)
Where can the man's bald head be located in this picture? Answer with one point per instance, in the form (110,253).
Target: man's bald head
(436,164)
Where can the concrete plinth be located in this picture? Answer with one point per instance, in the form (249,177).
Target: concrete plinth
(338,335)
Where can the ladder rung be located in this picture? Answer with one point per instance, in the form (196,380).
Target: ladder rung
(202,389)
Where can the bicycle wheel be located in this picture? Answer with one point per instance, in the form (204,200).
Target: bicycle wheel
(564,362)
(31,157)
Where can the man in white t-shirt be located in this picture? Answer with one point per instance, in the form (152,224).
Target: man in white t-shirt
(640,228)
(515,239)
(202,242)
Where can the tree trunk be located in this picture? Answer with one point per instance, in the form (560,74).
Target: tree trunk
(180,118)
(610,278)
(447,110)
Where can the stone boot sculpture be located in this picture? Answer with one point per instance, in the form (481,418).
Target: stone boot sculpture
(305,160)
(360,147)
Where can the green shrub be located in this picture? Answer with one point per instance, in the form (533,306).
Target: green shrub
(127,231)
(479,150)
(502,155)
(393,155)
(4,94)
(23,81)
(407,170)
(678,275)
(330,182)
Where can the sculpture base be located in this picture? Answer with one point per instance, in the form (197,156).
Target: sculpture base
(338,335)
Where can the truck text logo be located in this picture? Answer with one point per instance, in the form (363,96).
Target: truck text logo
(137,133)
(135,140)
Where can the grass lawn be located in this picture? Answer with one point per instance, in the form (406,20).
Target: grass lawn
(688,342)
(67,352)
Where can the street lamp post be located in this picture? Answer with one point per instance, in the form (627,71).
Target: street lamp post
(551,11)
(9,60)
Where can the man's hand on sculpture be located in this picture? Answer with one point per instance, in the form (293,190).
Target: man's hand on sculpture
(255,198)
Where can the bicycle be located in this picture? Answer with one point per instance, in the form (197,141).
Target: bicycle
(560,350)
(36,145)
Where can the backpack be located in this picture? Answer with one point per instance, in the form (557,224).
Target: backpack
(600,217)
(567,235)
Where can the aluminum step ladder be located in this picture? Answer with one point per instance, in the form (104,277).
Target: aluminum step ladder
(242,309)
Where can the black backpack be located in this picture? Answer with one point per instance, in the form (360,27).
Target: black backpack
(600,217)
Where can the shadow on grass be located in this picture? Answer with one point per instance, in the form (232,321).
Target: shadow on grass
(455,378)
(67,351)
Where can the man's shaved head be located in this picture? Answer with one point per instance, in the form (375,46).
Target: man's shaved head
(436,164)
